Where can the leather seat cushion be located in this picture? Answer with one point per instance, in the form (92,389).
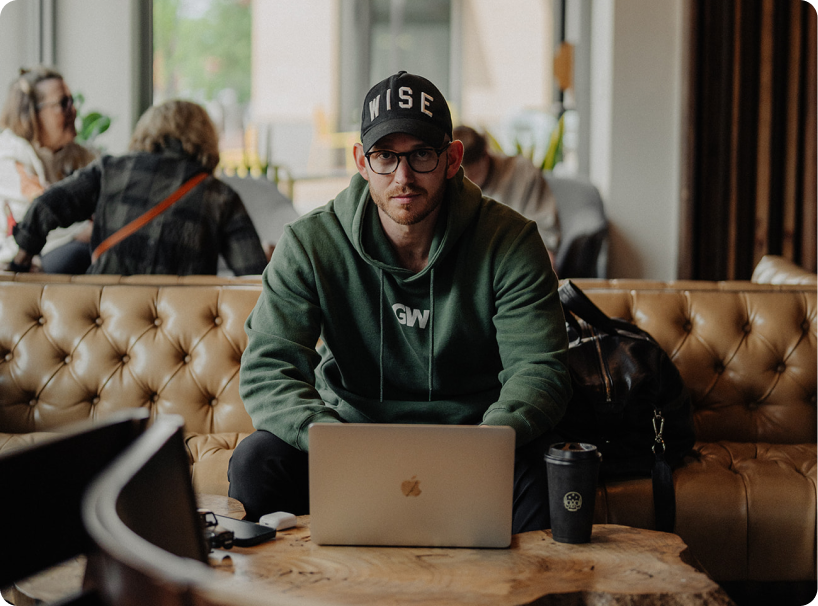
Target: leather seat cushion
(737,498)
(209,457)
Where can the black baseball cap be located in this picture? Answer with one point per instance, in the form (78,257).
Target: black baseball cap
(405,103)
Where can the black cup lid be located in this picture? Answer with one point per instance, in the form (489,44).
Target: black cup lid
(573,451)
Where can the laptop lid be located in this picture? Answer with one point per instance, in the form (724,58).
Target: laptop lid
(411,485)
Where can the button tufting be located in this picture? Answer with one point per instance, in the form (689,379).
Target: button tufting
(41,320)
(157,322)
(805,325)
(718,367)
(155,398)
(98,321)
(67,359)
(780,368)
(95,400)
(752,406)
(187,359)
(747,327)
(214,401)
(217,321)
(9,356)
(126,358)
(33,402)
(687,326)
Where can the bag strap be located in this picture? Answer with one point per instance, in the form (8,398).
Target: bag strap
(664,495)
(578,303)
(147,217)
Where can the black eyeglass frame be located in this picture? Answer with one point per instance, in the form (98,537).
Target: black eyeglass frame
(65,102)
(439,151)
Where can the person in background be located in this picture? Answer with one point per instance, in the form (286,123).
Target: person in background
(171,144)
(433,304)
(37,149)
(512,180)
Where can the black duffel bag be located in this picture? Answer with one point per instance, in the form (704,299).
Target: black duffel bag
(629,400)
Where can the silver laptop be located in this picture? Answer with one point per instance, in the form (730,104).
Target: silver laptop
(411,485)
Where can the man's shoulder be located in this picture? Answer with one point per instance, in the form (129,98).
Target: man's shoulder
(499,216)
(317,225)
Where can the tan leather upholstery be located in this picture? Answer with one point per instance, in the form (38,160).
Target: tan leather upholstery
(153,280)
(775,269)
(76,351)
(746,499)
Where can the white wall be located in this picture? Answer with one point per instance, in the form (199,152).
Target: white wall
(507,54)
(95,53)
(14,51)
(637,58)
(301,39)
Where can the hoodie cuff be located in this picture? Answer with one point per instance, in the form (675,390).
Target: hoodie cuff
(303,434)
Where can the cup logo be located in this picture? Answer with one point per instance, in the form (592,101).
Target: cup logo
(572,501)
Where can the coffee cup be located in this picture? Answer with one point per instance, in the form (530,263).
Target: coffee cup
(573,468)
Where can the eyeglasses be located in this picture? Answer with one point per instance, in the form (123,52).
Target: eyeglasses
(423,160)
(66,103)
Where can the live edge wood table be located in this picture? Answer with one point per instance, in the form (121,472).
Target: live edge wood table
(621,565)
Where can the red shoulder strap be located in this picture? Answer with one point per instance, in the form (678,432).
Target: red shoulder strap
(142,220)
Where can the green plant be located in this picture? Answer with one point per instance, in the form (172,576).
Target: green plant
(90,125)
(553,154)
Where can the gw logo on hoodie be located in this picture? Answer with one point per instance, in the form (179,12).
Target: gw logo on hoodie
(408,316)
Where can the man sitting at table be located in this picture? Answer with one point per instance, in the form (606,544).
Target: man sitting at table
(433,305)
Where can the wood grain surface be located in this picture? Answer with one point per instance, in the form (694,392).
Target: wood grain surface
(621,565)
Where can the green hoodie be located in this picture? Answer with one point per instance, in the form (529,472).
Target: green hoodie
(478,336)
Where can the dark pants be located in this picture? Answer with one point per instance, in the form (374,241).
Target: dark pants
(73,257)
(266,474)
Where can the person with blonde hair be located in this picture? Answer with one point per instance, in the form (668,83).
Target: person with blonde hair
(37,149)
(158,209)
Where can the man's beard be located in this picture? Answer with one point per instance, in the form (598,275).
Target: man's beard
(415,215)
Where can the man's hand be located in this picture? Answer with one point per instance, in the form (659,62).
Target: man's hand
(553,258)
(30,185)
(21,262)
(268,250)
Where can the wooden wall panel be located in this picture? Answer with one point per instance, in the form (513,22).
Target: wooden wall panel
(809,228)
(751,139)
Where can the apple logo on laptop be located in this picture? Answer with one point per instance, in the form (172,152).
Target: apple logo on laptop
(411,488)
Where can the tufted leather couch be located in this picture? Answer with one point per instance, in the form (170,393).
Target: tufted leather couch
(73,349)
(79,350)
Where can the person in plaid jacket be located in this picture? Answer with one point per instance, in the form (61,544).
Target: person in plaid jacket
(171,143)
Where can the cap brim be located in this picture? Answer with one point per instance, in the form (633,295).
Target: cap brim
(428,133)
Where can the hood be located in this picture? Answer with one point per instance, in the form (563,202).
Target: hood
(358,216)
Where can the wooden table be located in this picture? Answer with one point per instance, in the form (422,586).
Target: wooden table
(621,565)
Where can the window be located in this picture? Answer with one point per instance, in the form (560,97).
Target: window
(284,80)
(202,52)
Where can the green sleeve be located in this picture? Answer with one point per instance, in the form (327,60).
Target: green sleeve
(277,377)
(533,344)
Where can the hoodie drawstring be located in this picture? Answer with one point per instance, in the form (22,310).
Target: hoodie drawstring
(381,345)
(431,333)
(431,329)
